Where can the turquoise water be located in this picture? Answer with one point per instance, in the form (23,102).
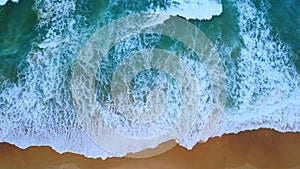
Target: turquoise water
(257,42)
(16,37)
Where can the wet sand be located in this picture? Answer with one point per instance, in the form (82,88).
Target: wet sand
(258,149)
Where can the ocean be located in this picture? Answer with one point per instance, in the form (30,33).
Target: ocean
(247,77)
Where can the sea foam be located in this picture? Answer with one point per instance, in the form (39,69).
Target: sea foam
(3,2)
(268,90)
(193,9)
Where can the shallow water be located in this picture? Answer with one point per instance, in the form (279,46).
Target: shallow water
(247,150)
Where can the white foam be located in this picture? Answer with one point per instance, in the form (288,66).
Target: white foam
(268,91)
(193,9)
(3,2)
(37,109)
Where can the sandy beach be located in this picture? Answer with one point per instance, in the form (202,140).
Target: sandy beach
(257,149)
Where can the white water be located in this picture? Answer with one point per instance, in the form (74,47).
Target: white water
(3,2)
(193,9)
(269,90)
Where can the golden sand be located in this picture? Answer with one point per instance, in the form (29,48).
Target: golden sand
(258,149)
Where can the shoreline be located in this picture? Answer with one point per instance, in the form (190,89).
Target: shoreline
(255,149)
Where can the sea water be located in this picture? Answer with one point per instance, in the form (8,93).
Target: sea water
(257,42)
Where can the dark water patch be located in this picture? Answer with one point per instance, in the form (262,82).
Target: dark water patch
(17,25)
(284,18)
